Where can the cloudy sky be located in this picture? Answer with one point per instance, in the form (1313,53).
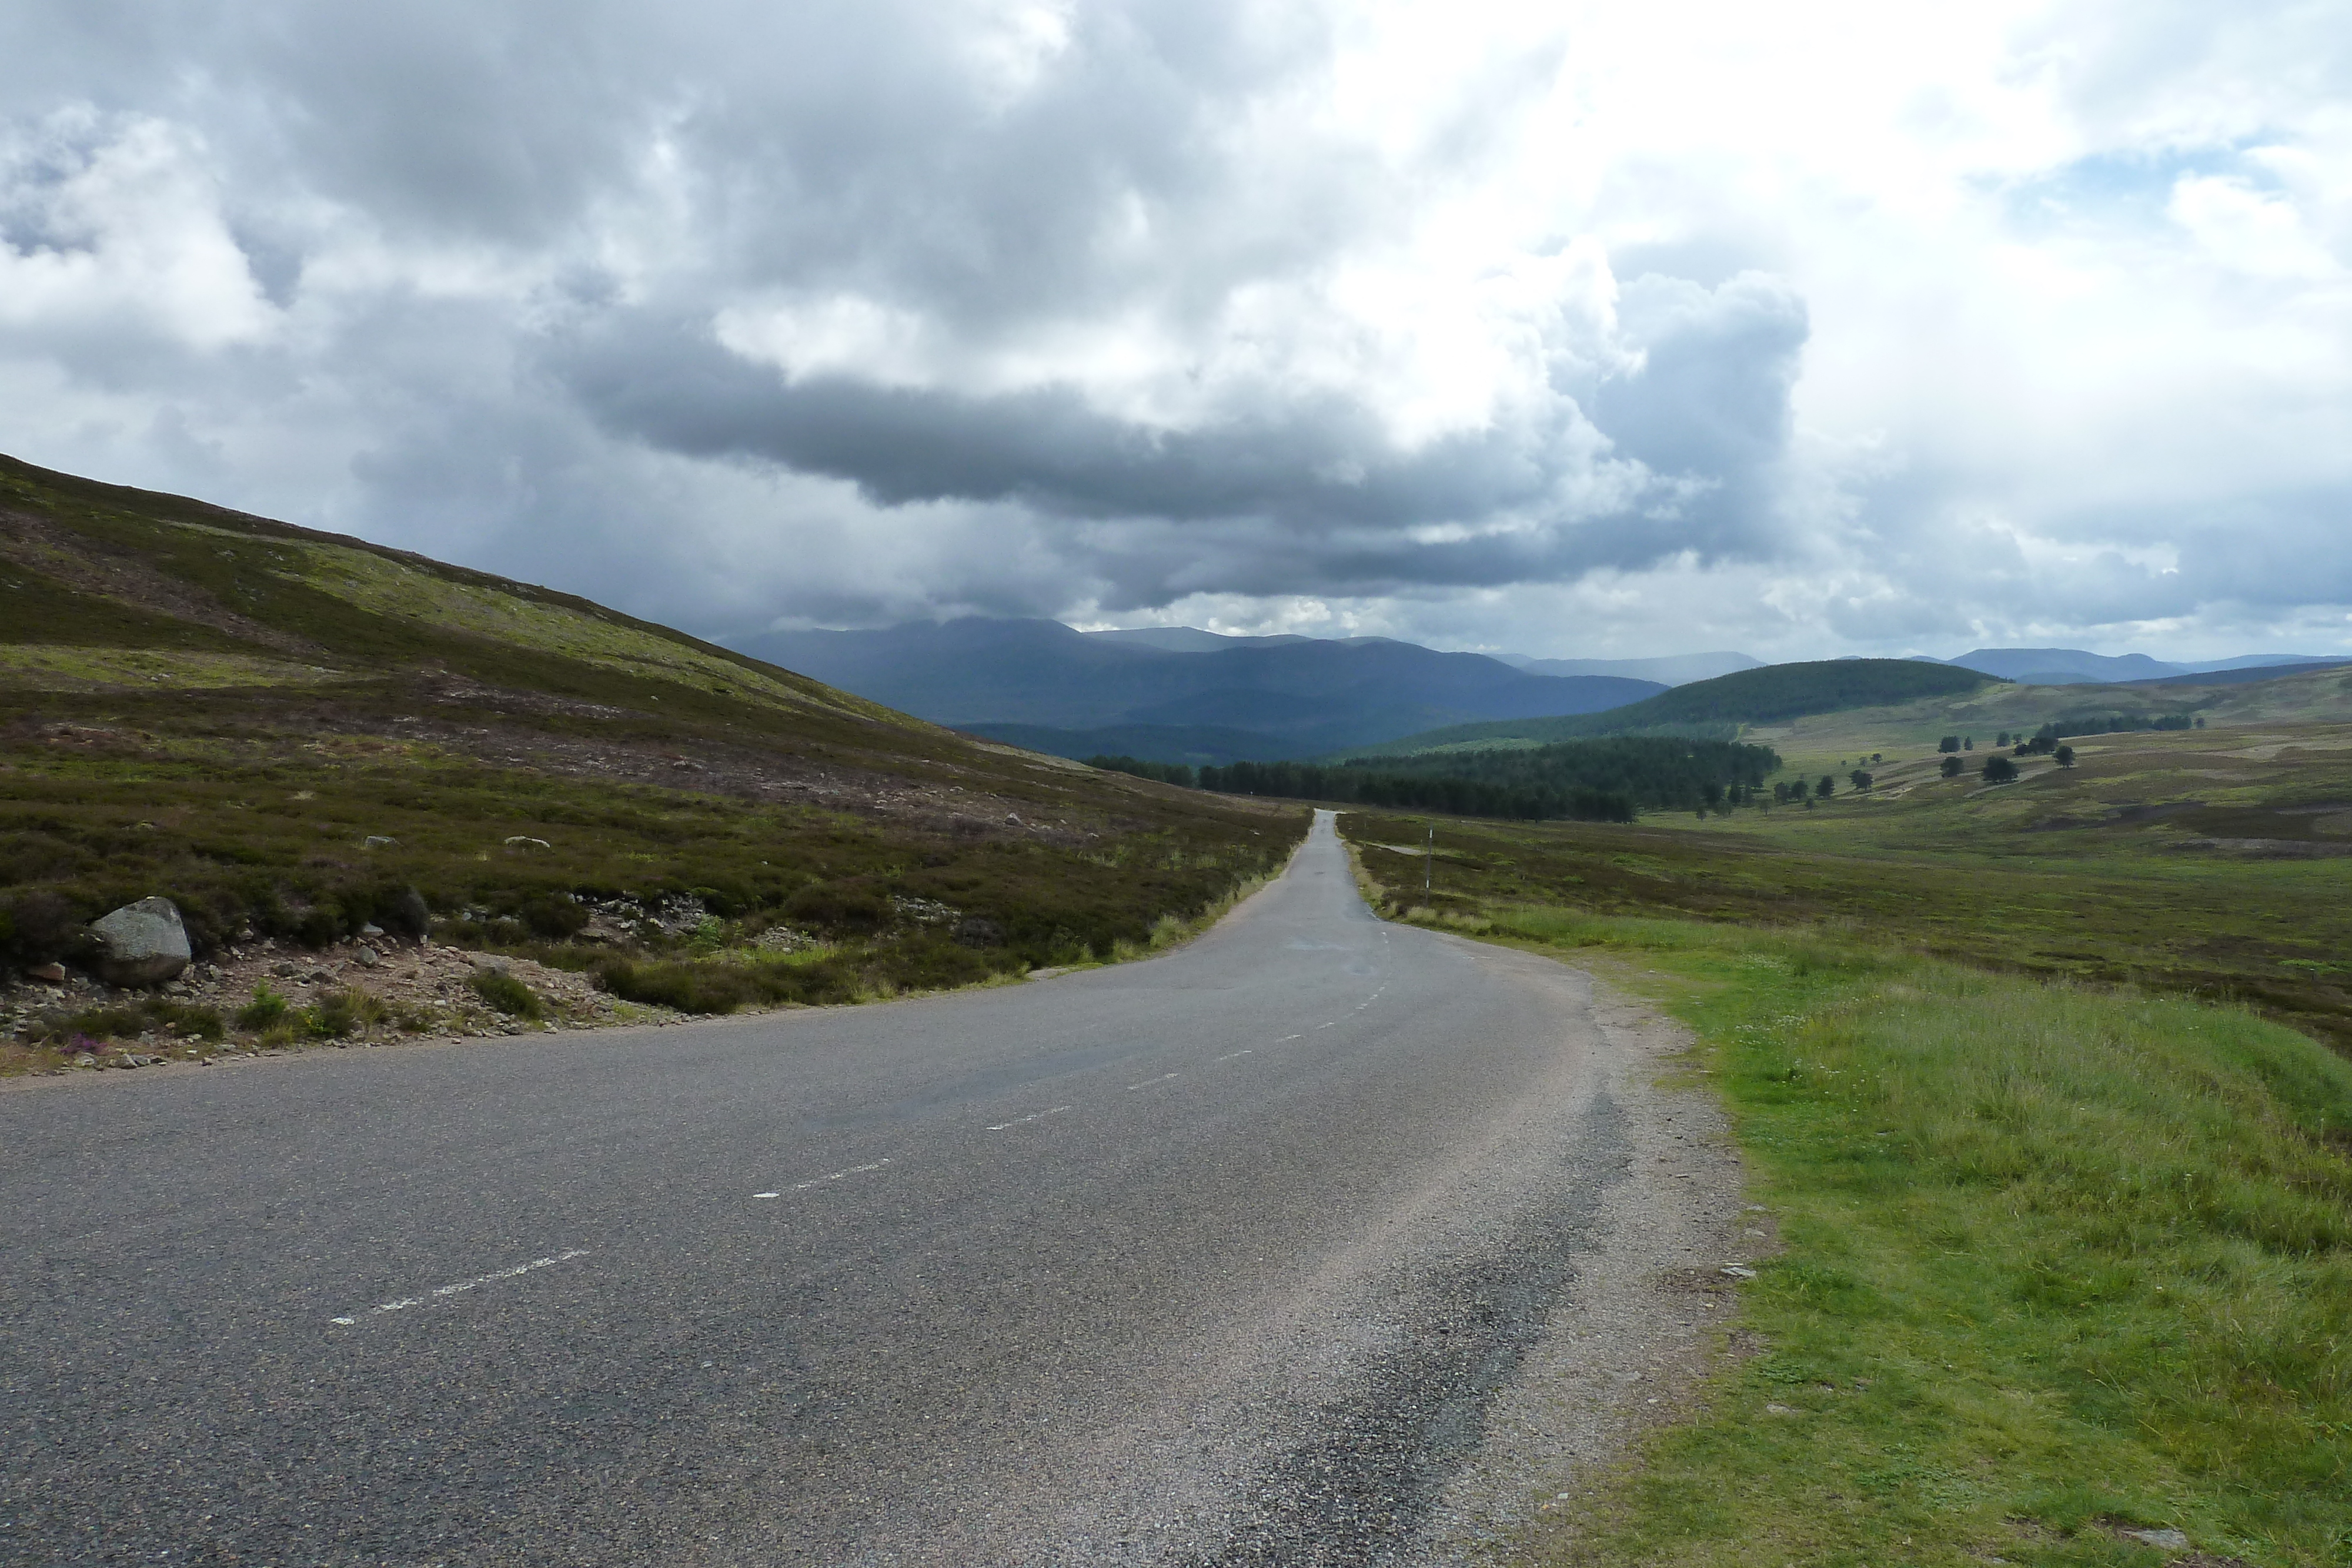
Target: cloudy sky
(1573,329)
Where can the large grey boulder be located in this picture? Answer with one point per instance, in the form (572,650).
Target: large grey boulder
(142,944)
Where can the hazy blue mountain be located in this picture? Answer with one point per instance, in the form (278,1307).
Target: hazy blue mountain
(1196,746)
(2073,666)
(2247,674)
(1192,639)
(2063,667)
(1673,670)
(2263,661)
(1308,694)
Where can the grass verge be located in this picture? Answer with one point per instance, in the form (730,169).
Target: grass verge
(2058,1263)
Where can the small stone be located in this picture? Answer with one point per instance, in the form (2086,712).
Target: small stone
(1738,1271)
(378,841)
(367,957)
(371,931)
(55,974)
(2163,1540)
(85,1060)
(1780,1409)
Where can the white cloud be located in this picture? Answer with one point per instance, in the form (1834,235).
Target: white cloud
(1582,328)
(109,228)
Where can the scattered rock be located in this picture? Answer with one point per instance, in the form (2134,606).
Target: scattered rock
(2162,1540)
(526,840)
(369,932)
(142,944)
(1013,818)
(1738,1271)
(367,957)
(378,841)
(55,974)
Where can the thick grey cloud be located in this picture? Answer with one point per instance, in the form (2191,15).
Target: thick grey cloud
(1498,327)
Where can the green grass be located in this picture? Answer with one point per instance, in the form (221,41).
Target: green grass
(2056,1258)
(2060,1256)
(2055,877)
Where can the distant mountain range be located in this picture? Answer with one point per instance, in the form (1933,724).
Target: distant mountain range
(1177,694)
(1718,708)
(2073,666)
(1674,669)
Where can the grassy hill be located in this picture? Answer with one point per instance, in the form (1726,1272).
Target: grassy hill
(1715,709)
(295,736)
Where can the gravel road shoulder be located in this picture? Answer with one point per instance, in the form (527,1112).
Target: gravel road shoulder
(1644,1318)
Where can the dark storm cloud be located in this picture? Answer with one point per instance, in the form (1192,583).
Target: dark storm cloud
(498,239)
(1308,493)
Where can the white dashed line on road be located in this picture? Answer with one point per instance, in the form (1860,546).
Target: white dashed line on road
(461,1287)
(1024,1121)
(1230,1054)
(854,1170)
(1150,1082)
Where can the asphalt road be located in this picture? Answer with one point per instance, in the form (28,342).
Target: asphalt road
(1217,1258)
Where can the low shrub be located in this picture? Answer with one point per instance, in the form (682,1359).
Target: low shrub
(503,993)
(340,1013)
(718,987)
(554,916)
(266,1009)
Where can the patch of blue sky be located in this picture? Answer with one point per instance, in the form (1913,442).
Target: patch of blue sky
(2133,187)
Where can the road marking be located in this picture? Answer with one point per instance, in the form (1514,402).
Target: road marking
(1025,1121)
(854,1170)
(1150,1082)
(1230,1054)
(1287,1038)
(767,1194)
(442,1291)
(1333,1024)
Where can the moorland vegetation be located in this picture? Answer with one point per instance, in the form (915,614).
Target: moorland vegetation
(298,739)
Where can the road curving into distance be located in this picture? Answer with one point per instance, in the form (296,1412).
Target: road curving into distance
(1317,1241)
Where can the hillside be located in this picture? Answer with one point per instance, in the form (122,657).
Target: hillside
(1715,709)
(1165,690)
(296,737)
(1673,670)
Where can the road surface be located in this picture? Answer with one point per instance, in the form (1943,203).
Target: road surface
(1236,1256)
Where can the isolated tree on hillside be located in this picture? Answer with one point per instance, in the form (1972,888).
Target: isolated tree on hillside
(1860,779)
(1968,743)
(2065,754)
(1950,743)
(1825,788)
(2000,770)
(1952,766)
